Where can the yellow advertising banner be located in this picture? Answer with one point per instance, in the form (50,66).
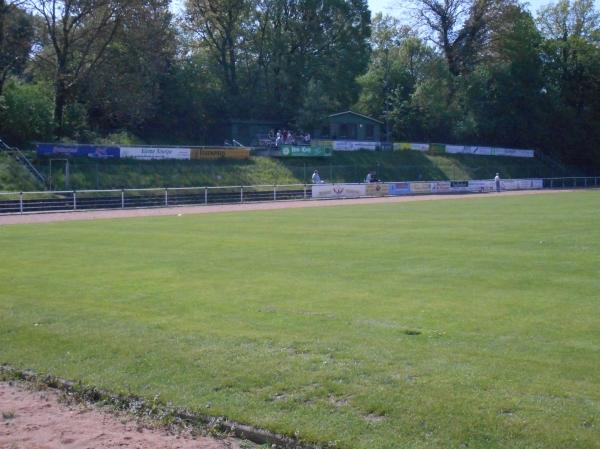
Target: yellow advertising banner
(219,153)
(399,146)
(377,189)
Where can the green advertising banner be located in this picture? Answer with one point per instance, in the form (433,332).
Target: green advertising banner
(304,151)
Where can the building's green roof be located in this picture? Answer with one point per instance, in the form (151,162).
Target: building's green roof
(357,115)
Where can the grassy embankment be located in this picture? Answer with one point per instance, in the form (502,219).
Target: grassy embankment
(13,177)
(348,167)
(440,324)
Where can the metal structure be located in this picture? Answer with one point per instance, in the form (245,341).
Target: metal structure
(74,200)
(23,160)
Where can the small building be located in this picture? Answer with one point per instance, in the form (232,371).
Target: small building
(350,126)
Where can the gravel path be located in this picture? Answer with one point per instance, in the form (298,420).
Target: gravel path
(188,210)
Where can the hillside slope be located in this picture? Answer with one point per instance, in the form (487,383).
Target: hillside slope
(13,177)
(342,167)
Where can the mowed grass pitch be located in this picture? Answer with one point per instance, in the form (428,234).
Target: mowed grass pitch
(467,323)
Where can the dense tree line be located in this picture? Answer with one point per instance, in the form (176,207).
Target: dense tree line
(464,71)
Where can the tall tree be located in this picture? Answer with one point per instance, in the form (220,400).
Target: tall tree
(219,25)
(571,53)
(459,28)
(16,38)
(77,35)
(125,89)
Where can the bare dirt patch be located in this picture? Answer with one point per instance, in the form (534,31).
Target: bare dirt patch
(37,420)
(189,210)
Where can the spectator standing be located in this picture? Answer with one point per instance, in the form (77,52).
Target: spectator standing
(368,177)
(497,181)
(316,179)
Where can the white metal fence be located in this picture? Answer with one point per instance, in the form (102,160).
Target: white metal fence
(77,200)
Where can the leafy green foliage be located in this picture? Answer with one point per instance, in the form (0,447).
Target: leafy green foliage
(493,76)
(27,112)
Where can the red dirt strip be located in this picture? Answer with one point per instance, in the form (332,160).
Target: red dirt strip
(37,420)
(189,210)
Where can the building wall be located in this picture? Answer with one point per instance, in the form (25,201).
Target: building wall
(349,127)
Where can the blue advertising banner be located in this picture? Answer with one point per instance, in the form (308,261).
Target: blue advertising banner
(399,188)
(95,151)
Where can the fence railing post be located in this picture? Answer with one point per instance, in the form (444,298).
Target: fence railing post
(304,191)
(122,198)
(21,202)
(241,194)
(275,193)
(74,200)
(205,195)
(166,196)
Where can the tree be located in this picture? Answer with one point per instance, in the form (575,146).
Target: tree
(571,55)
(16,37)
(459,28)
(397,63)
(218,24)
(269,51)
(125,89)
(77,34)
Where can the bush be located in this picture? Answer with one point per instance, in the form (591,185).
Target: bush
(26,112)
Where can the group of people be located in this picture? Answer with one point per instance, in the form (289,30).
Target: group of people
(287,137)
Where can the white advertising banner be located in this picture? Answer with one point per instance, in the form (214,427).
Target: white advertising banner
(421,187)
(147,153)
(339,190)
(440,187)
(513,152)
(481,186)
(521,184)
(466,149)
(353,145)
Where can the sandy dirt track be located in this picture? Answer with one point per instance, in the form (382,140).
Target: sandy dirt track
(37,420)
(189,210)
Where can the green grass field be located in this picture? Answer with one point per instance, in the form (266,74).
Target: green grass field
(466,323)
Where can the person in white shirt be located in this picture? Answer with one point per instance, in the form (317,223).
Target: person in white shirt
(497,181)
(368,177)
(316,179)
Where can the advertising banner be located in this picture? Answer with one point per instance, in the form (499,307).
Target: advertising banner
(377,189)
(305,151)
(401,146)
(420,187)
(465,149)
(94,151)
(459,186)
(322,143)
(481,186)
(219,153)
(149,153)
(399,188)
(437,148)
(513,152)
(440,187)
(353,145)
(521,184)
(339,190)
